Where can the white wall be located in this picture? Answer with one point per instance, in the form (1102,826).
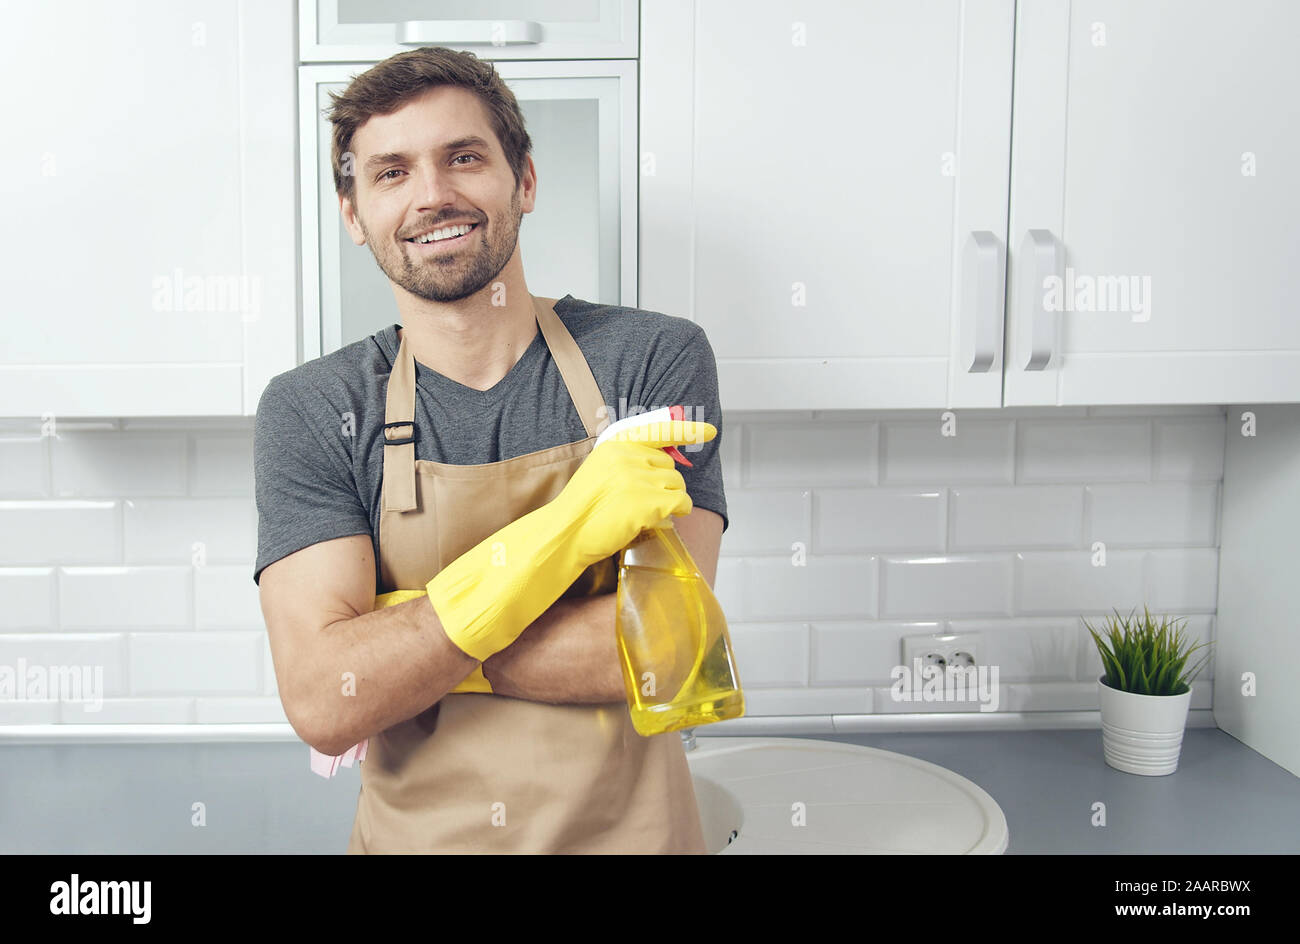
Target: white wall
(1260,560)
(905,531)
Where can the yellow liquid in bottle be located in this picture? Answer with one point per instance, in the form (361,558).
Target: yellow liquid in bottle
(678,668)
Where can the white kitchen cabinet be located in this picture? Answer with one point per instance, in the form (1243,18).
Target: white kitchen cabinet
(824,190)
(372,30)
(148,253)
(1154,175)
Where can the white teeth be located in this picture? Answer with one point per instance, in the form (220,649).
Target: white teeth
(447,233)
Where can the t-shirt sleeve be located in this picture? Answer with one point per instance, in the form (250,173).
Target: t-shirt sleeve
(691,379)
(303,481)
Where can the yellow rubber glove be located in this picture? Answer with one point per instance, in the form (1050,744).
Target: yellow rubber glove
(490,594)
(476,681)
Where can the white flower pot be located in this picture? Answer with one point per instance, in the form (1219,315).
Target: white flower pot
(1142,734)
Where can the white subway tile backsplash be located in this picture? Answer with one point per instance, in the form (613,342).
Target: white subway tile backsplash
(779,588)
(859,652)
(270,685)
(1152,515)
(225,597)
(131,543)
(1190,450)
(1059,582)
(223,464)
(109,464)
(730,452)
(960,585)
(940,451)
(729,583)
(189,530)
(808,701)
(251,710)
(86,661)
(776,654)
(61,532)
(1052,696)
(1022,516)
(1187,409)
(45,711)
(124,598)
(1184,580)
(855,520)
(1026,649)
(24,466)
(811,453)
(1083,450)
(28,598)
(1080,696)
(198,663)
(893,699)
(766,520)
(131,711)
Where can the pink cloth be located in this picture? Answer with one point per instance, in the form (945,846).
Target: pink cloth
(328,766)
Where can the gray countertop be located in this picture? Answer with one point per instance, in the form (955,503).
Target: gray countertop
(261,797)
(1225,797)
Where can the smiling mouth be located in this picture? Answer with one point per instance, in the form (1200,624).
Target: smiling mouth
(440,243)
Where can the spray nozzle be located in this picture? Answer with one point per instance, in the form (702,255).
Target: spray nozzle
(667,414)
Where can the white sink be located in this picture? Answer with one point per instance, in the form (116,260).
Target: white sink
(855,800)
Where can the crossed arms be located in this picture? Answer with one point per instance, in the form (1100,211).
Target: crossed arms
(346,671)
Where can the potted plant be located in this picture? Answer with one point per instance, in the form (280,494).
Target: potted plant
(1143,694)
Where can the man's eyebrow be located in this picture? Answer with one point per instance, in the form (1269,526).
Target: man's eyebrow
(399,157)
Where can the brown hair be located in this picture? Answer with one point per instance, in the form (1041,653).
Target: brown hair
(388,86)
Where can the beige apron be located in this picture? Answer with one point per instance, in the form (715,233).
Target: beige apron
(481,772)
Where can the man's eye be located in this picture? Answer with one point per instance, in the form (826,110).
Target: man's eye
(384,175)
(459,156)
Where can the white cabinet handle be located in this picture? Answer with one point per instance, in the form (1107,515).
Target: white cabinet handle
(983,274)
(469,32)
(1040,258)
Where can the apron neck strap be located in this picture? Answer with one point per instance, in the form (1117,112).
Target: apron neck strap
(575,370)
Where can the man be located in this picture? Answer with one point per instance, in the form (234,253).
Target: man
(451,456)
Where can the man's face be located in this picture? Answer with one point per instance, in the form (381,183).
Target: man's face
(432,185)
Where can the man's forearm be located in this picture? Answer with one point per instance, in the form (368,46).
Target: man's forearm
(381,668)
(401,662)
(567,655)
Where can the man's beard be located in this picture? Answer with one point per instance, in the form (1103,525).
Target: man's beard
(466,271)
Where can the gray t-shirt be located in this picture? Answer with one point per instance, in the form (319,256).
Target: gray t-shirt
(318,450)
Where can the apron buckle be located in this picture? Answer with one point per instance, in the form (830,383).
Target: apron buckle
(399,442)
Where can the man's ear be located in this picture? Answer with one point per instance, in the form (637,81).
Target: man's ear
(348,212)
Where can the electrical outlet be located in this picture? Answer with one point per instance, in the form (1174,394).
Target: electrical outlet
(942,649)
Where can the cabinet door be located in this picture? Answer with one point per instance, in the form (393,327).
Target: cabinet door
(1154,241)
(580,239)
(372,30)
(148,256)
(824,189)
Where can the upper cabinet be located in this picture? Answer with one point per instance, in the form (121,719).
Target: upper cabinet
(373,30)
(824,189)
(878,204)
(1154,206)
(149,264)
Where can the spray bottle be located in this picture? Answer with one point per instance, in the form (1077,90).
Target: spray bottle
(678,666)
